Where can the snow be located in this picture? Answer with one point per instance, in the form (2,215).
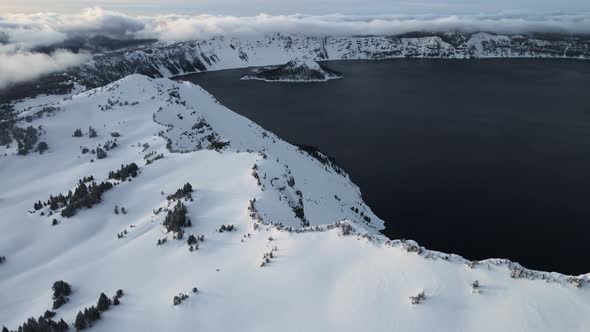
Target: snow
(297,70)
(320,278)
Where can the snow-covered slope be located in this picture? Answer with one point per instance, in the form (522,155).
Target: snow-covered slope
(296,70)
(305,253)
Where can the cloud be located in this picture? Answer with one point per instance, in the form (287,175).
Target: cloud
(29,42)
(42,29)
(24,66)
(175,27)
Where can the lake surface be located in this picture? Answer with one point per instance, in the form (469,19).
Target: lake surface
(483,158)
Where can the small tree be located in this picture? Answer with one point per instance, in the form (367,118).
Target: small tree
(61,288)
(80,323)
(42,147)
(78,133)
(48,314)
(59,301)
(92,132)
(103,302)
(100,153)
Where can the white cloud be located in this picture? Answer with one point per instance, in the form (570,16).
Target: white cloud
(24,66)
(29,30)
(175,27)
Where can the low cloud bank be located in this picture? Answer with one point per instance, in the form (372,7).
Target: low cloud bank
(44,28)
(29,42)
(23,66)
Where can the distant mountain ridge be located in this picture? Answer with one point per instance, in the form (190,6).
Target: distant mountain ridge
(168,59)
(171,59)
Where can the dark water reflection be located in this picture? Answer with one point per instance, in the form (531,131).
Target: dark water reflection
(487,158)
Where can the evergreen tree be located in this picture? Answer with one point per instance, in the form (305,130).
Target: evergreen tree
(62,326)
(81,322)
(92,314)
(77,133)
(100,153)
(61,288)
(91,132)
(103,302)
(42,147)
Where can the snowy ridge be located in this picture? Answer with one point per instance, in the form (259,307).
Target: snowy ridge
(296,70)
(171,59)
(304,244)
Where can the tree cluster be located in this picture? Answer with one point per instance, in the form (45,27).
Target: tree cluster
(215,143)
(42,324)
(179,298)
(7,122)
(83,196)
(100,153)
(227,228)
(176,218)
(193,242)
(61,291)
(418,298)
(184,192)
(86,318)
(322,158)
(124,172)
(25,138)
(78,133)
(92,132)
(269,255)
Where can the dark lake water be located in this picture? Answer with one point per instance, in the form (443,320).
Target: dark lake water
(483,158)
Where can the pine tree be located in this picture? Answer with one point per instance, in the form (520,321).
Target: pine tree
(61,288)
(103,302)
(80,323)
(91,132)
(62,326)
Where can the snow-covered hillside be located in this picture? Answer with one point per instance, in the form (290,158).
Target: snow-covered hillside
(298,251)
(296,70)
(171,59)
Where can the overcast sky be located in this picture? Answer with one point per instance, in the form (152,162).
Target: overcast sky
(253,7)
